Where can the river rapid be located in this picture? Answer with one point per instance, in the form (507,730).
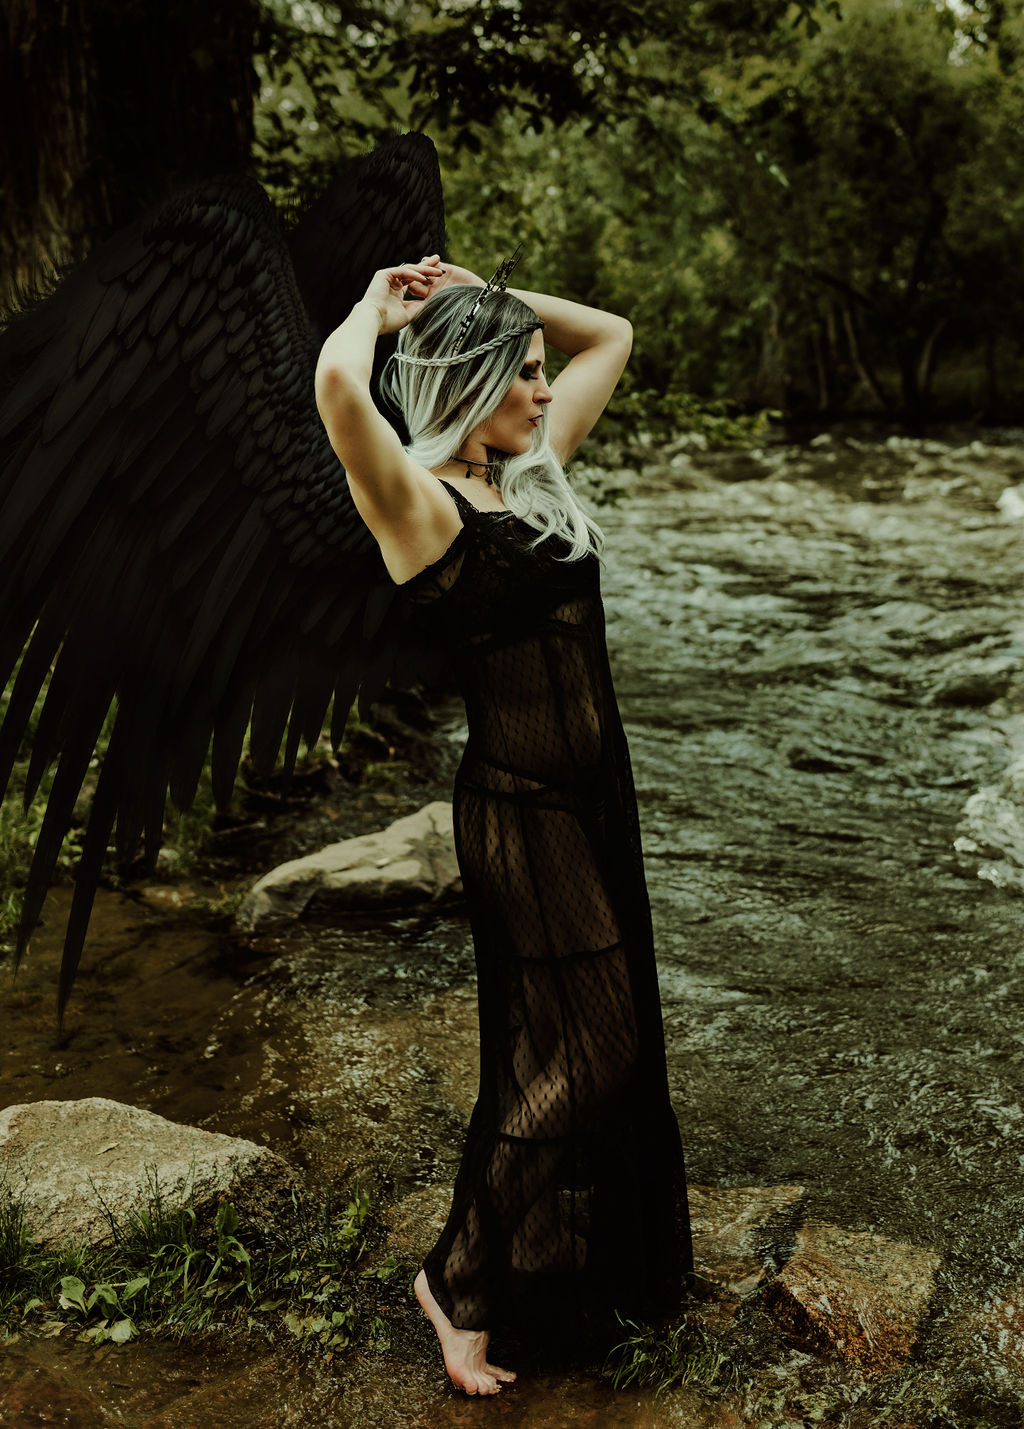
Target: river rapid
(819,655)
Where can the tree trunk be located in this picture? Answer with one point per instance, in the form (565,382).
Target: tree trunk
(104,105)
(770,383)
(991,372)
(906,357)
(45,83)
(926,362)
(863,369)
(821,369)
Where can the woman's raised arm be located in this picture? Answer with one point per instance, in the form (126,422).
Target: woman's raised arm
(598,345)
(385,483)
(410,515)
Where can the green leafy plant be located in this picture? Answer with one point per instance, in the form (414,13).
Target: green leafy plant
(180,1267)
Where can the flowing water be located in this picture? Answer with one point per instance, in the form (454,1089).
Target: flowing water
(819,655)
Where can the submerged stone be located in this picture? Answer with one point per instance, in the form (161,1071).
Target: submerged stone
(860,1293)
(412,861)
(991,837)
(415,1223)
(79,1168)
(726,1222)
(997,1329)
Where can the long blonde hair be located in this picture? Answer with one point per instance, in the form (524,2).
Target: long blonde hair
(443,397)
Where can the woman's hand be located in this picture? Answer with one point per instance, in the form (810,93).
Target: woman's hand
(451,274)
(388,287)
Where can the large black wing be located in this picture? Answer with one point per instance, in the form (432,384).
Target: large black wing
(177,539)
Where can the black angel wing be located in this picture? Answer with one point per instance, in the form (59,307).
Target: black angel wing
(177,539)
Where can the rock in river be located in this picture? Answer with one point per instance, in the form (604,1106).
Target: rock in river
(861,1293)
(993,830)
(727,1225)
(74,1165)
(412,861)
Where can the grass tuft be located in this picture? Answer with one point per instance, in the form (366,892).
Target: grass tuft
(664,1360)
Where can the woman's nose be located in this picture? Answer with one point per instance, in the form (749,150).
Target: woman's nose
(542,394)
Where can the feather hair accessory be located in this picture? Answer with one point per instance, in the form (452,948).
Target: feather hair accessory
(495,284)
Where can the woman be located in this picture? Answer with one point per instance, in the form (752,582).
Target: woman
(570,1200)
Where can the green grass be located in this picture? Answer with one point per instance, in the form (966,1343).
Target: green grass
(662,1360)
(173,1268)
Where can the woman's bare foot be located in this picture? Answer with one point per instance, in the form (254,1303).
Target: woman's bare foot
(465,1351)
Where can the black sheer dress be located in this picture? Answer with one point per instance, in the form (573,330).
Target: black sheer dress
(570,1201)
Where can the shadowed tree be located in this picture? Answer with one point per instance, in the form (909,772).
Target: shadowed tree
(104,104)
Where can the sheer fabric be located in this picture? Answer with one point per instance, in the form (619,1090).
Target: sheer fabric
(570,1198)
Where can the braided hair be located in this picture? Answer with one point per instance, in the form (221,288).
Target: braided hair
(460,357)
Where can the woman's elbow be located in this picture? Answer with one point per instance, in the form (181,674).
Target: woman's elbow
(622,332)
(333,386)
(340,399)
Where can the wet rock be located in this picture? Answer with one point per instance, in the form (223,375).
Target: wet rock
(1011,503)
(992,831)
(976,684)
(726,1222)
(860,1293)
(162,898)
(74,1165)
(997,1329)
(412,861)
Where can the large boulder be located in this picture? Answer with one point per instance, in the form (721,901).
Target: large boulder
(860,1293)
(410,862)
(76,1166)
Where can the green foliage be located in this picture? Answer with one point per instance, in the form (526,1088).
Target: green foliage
(835,225)
(766,1390)
(342,75)
(660,1361)
(173,1268)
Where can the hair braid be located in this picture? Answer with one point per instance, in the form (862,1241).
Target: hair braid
(472,352)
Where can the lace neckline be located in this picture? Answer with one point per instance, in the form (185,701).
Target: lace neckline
(465,501)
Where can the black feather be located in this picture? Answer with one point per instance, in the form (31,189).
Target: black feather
(173,522)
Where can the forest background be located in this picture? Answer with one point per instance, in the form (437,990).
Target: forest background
(806,207)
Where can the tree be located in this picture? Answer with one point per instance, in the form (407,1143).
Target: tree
(107,103)
(103,105)
(886,137)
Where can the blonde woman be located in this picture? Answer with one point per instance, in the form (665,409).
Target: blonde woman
(570,1200)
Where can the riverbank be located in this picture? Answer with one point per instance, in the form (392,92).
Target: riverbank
(818,653)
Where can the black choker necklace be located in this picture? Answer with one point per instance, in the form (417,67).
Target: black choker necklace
(486,467)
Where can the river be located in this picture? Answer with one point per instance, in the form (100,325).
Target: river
(819,656)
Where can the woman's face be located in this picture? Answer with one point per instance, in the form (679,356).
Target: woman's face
(511,426)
